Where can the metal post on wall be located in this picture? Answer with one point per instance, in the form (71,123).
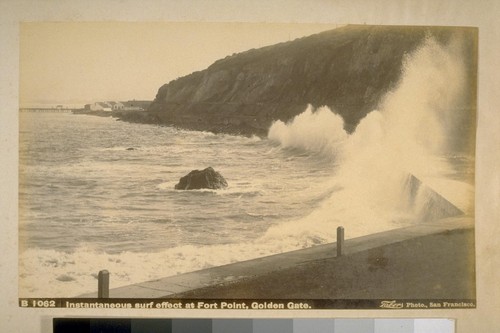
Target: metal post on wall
(103,284)
(340,241)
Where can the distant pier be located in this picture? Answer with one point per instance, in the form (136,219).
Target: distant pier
(47,110)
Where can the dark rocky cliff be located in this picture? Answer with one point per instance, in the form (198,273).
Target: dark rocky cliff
(348,69)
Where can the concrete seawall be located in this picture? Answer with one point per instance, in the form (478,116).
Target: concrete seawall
(428,260)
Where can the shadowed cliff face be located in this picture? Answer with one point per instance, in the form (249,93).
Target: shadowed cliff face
(347,69)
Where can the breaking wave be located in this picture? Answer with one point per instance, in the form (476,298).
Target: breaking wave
(404,139)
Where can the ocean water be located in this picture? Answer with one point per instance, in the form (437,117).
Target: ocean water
(87,202)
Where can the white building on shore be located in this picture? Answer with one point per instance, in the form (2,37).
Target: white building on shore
(117,106)
(99,106)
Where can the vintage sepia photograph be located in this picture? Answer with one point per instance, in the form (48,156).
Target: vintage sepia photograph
(247,165)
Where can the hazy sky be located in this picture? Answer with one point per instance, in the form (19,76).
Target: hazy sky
(86,62)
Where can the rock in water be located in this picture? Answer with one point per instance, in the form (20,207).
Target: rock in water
(196,179)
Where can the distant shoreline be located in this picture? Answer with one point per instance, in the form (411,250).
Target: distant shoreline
(145,117)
